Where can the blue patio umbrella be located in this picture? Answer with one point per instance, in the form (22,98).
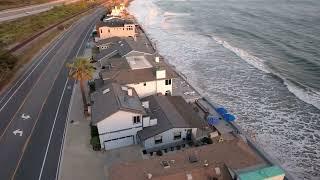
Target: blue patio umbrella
(229,117)
(221,111)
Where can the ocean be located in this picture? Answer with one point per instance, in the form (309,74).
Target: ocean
(258,58)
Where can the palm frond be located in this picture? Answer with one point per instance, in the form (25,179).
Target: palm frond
(81,69)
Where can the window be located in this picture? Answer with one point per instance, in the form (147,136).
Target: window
(168,81)
(108,30)
(176,135)
(158,139)
(144,84)
(136,120)
(101,31)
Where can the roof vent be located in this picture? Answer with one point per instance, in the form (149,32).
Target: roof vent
(145,104)
(189,177)
(157,59)
(106,91)
(205,163)
(217,171)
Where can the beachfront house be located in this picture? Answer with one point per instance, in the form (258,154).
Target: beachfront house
(117,112)
(115,27)
(170,121)
(121,47)
(148,74)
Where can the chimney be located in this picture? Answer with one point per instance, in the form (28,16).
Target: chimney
(129,92)
(160,74)
(145,104)
(157,59)
(189,177)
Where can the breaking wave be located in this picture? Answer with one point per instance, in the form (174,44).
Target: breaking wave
(175,14)
(305,94)
(253,60)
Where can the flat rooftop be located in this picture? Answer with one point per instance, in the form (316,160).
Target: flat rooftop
(131,70)
(235,154)
(138,62)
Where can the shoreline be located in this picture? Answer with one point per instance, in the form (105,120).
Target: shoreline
(252,144)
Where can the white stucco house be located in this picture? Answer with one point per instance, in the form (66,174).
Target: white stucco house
(147,74)
(170,121)
(117,112)
(155,122)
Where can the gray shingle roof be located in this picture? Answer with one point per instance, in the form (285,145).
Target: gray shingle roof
(118,48)
(123,46)
(121,73)
(116,99)
(170,112)
(108,40)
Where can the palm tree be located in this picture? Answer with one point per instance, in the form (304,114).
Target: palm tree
(81,70)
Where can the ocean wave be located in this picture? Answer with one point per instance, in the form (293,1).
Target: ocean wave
(175,14)
(253,60)
(306,94)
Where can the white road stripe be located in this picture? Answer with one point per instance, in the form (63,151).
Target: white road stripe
(54,122)
(45,157)
(29,68)
(63,142)
(46,54)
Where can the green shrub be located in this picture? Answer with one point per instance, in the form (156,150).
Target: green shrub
(94,131)
(95,142)
(7,63)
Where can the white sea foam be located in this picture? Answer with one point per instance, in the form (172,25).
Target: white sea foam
(253,60)
(258,101)
(175,14)
(308,96)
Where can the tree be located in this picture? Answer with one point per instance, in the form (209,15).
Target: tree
(81,70)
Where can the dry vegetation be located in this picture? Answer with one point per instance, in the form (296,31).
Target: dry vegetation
(19,30)
(7,4)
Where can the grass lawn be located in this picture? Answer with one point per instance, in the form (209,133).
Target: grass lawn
(7,4)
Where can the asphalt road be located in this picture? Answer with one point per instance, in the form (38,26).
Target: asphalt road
(11,14)
(33,112)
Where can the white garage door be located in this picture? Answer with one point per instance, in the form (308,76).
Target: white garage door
(119,142)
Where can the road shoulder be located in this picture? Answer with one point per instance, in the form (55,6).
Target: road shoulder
(79,161)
